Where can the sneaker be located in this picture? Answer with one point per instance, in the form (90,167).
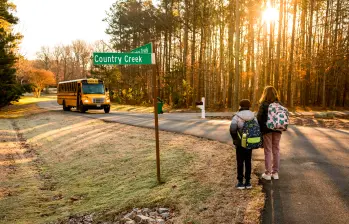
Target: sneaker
(240,186)
(266,176)
(248,185)
(275,176)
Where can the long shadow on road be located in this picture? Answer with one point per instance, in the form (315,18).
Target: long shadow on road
(313,186)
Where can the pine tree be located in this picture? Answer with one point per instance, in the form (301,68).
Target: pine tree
(9,89)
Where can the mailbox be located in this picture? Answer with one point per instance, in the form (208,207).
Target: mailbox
(201,105)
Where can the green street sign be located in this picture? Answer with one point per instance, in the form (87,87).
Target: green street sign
(100,58)
(145,49)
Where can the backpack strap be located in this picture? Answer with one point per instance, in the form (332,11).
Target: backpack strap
(238,125)
(240,117)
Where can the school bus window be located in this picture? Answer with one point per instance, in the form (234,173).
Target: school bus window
(93,88)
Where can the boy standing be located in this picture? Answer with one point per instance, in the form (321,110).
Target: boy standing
(243,153)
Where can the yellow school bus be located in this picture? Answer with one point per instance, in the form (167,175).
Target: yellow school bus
(83,94)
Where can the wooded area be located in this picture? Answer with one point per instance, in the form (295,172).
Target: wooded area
(223,50)
(10,90)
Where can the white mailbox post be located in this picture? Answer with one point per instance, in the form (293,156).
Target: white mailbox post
(202,107)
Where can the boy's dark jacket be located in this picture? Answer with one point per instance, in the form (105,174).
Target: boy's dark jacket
(262,118)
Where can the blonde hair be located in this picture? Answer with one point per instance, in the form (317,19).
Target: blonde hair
(269,95)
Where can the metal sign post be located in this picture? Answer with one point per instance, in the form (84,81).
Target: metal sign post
(150,48)
(156,123)
(140,56)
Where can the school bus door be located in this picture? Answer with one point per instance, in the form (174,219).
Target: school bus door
(78,96)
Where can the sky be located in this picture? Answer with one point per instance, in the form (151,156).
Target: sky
(53,22)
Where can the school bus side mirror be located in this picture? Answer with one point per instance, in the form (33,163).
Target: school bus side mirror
(106,89)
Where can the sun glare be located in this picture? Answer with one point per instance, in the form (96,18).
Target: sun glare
(270,14)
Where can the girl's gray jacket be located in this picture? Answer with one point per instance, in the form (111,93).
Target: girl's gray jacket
(238,122)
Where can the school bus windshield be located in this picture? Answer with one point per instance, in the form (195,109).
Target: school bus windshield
(93,88)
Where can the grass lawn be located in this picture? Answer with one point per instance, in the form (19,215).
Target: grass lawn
(30,99)
(63,164)
(147,109)
(25,106)
(132,108)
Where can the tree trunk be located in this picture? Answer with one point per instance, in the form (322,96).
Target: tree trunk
(324,46)
(277,62)
(253,69)
(334,66)
(192,64)
(302,45)
(201,76)
(310,31)
(284,73)
(186,37)
(265,55)
(237,56)
(257,78)
(271,51)
(221,88)
(290,70)
(231,54)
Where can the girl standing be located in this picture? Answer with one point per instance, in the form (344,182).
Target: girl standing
(271,138)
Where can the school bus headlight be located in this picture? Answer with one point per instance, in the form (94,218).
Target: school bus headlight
(108,101)
(86,101)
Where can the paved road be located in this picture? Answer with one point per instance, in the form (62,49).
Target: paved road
(314,177)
